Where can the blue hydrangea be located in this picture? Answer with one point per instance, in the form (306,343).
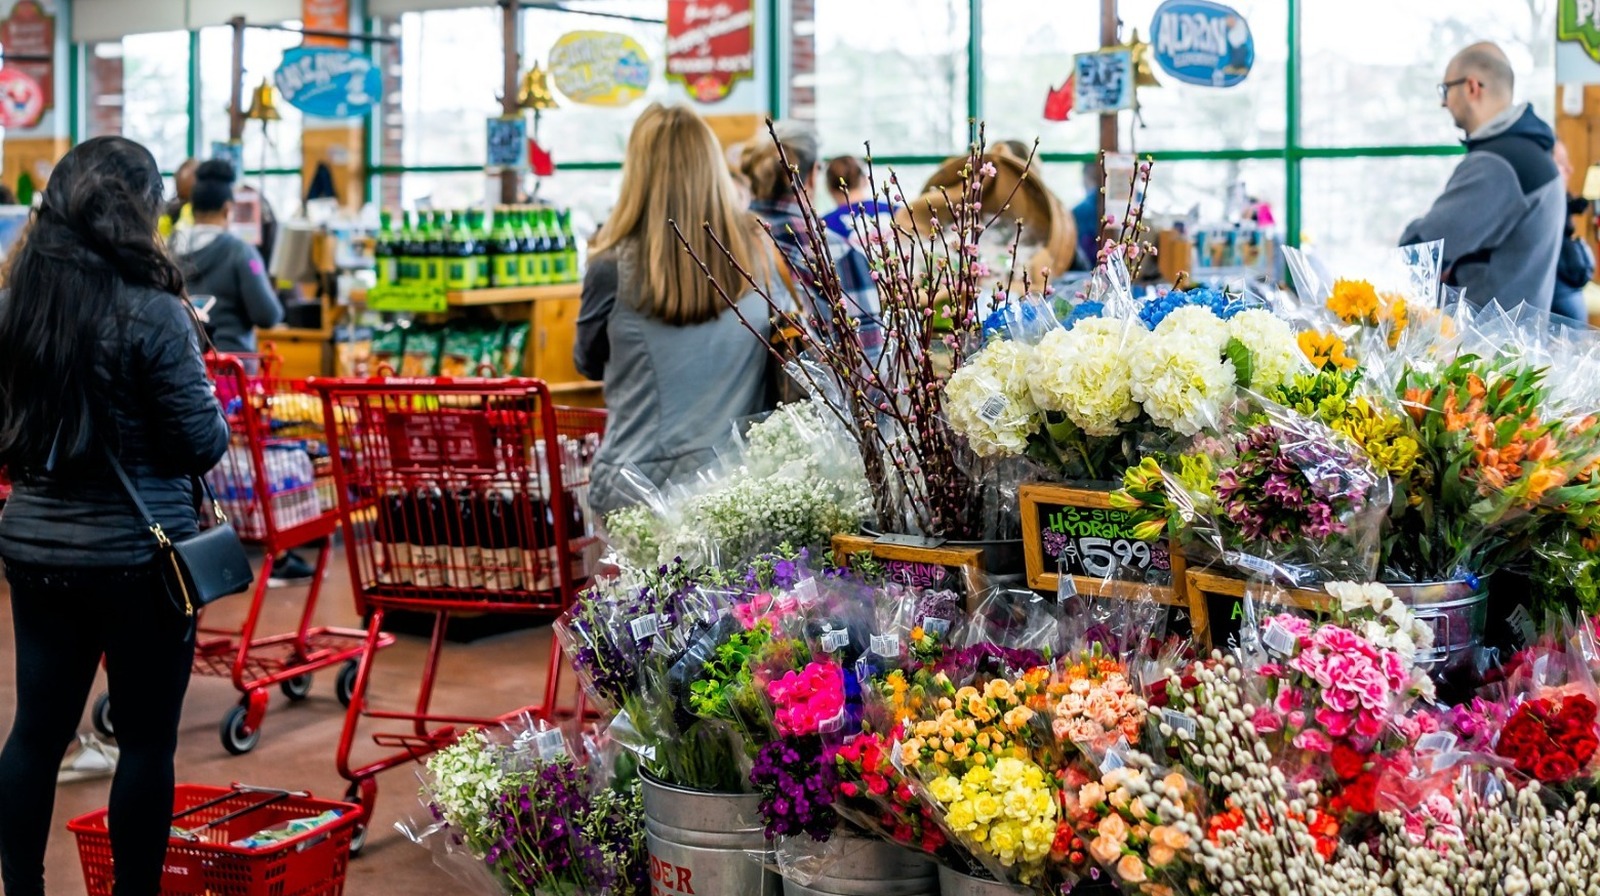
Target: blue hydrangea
(995,326)
(1221,304)
(1001,321)
(1083,311)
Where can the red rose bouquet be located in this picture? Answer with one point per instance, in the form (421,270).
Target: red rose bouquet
(1552,737)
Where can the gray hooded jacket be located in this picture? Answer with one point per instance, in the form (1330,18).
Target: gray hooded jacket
(1501,214)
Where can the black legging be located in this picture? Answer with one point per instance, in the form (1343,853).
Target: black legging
(65,621)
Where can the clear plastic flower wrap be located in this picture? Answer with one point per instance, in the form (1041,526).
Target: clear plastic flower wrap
(1009,628)
(513,811)
(1134,817)
(1508,452)
(1292,500)
(792,477)
(1552,735)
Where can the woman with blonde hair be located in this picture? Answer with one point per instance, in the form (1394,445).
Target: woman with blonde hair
(677,363)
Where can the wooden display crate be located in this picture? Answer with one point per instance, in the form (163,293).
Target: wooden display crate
(1216,603)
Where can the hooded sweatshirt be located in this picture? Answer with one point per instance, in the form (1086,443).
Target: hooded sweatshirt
(1501,214)
(217,263)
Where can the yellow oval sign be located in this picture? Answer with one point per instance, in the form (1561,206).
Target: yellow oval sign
(599,68)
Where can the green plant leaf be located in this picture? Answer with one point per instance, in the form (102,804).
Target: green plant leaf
(1243,363)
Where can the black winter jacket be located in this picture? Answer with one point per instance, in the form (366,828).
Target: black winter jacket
(168,429)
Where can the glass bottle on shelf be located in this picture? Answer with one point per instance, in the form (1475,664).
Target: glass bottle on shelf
(462,250)
(480,236)
(385,260)
(410,257)
(529,250)
(505,251)
(569,247)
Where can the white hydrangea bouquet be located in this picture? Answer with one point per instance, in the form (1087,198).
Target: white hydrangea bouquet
(1080,397)
(796,479)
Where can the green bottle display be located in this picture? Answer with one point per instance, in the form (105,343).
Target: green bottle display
(505,251)
(529,240)
(459,251)
(383,250)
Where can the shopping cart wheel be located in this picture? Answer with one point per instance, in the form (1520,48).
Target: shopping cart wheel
(234,737)
(344,687)
(356,793)
(101,717)
(297,688)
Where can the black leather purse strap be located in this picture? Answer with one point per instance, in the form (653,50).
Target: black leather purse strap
(144,511)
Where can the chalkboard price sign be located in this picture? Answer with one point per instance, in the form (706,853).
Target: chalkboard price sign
(1076,531)
(1217,611)
(932,567)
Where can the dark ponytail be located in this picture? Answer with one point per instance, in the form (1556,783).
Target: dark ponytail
(94,231)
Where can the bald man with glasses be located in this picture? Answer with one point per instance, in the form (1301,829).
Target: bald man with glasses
(1501,213)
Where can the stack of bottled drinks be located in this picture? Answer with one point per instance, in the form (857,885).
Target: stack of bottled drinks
(466,250)
(486,532)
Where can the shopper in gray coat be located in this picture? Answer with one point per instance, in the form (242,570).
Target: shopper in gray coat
(1502,212)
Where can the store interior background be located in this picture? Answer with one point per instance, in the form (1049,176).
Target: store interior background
(1337,125)
(1338,128)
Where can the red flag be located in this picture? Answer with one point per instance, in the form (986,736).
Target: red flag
(1058,102)
(539,160)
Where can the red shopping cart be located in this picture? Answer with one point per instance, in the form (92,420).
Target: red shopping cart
(215,848)
(457,496)
(276,486)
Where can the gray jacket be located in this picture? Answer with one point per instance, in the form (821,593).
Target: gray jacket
(217,263)
(1501,214)
(671,392)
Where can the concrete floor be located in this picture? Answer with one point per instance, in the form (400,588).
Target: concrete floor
(487,677)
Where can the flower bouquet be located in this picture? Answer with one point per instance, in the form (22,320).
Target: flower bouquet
(521,808)
(793,478)
(1502,451)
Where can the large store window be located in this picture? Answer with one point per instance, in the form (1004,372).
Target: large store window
(131,82)
(1252,115)
(279,146)
(893,72)
(1353,209)
(1027,50)
(1370,84)
(451,75)
(581,133)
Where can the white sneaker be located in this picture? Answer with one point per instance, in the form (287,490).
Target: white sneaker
(91,758)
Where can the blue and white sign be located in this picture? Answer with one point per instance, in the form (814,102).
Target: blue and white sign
(1201,42)
(326,82)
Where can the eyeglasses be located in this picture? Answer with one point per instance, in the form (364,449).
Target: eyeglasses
(1444,89)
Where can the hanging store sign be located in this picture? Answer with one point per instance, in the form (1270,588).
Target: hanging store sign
(599,68)
(329,83)
(1204,43)
(325,15)
(31,32)
(710,45)
(1102,82)
(1578,21)
(22,100)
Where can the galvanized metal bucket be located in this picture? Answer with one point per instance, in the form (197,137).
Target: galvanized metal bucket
(701,843)
(954,883)
(864,866)
(1458,613)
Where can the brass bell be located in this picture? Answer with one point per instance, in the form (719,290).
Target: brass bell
(1143,74)
(264,103)
(535,90)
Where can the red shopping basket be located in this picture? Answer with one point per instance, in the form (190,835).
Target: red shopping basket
(203,862)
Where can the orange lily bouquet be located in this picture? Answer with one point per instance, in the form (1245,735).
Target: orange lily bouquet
(1506,456)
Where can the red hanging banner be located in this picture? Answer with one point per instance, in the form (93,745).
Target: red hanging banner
(710,45)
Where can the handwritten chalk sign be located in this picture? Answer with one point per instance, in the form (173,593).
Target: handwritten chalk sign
(1216,607)
(508,143)
(926,566)
(1077,530)
(1102,82)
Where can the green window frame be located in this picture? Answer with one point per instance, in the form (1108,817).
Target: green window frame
(1291,154)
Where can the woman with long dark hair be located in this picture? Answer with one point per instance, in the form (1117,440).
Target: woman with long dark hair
(99,359)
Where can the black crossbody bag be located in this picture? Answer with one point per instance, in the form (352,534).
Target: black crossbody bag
(206,566)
